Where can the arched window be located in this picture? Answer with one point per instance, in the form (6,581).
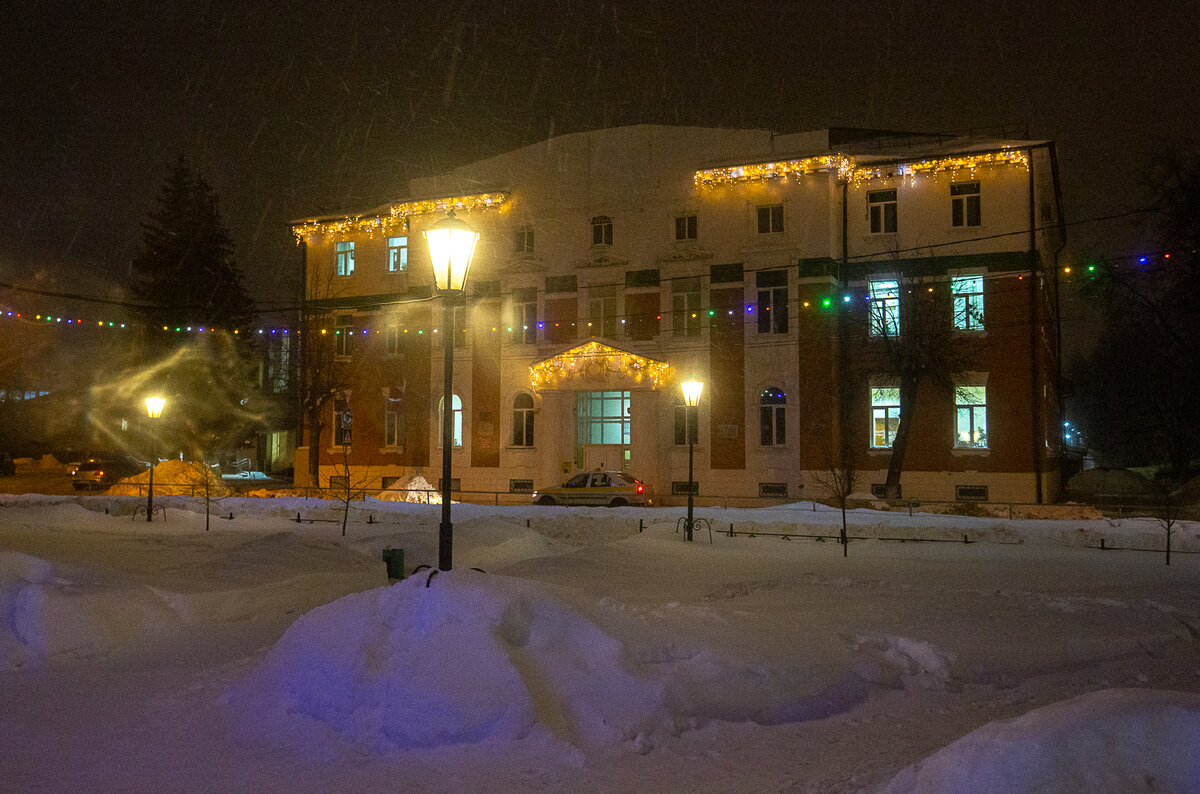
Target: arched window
(522,420)
(772,408)
(456,429)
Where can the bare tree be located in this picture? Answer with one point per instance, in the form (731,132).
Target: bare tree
(912,341)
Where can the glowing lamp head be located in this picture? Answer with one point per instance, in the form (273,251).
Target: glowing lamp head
(154,406)
(691,392)
(451,246)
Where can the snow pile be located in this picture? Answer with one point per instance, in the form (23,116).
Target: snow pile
(448,658)
(48,461)
(416,490)
(172,477)
(1111,740)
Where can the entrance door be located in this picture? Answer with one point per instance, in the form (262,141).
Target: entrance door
(603,429)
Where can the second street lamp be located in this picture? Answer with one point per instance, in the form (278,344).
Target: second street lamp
(691,398)
(154,407)
(451,247)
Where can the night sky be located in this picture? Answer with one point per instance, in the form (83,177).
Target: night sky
(295,108)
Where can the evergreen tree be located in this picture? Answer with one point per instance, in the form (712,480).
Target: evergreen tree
(186,268)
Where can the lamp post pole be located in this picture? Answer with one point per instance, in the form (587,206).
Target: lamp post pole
(691,398)
(154,406)
(446,529)
(451,247)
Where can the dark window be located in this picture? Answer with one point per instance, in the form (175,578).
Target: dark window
(685,227)
(641,278)
(772,301)
(965,208)
(776,489)
(523,240)
(522,421)
(882,204)
(520,486)
(725,274)
(772,415)
(971,493)
(770,219)
(681,488)
(524,316)
(561,284)
(602,230)
(687,422)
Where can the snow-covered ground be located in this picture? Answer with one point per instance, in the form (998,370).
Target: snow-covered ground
(271,655)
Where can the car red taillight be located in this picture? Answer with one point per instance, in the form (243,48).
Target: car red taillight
(640,488)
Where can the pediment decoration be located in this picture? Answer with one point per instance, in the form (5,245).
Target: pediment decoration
(602,260)
(594,364)
(683,252)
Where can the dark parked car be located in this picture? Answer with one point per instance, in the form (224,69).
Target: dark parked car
(7,467)
(97,474)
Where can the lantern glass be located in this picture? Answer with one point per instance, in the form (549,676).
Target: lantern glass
(451,247)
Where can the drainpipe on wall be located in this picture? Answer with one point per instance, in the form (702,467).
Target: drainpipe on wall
(1036,404)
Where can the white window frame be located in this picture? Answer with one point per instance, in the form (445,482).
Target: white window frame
(885,306)
(456,432)
(603,315)
(769,218)
(524,421)
(338,435)
(772,415)
(686,319)
(523,239)
(966,208)
(345,257)
(967,290)
(885,416)
(393,423)
(970,417)
(343,330)
(687,226)
(602,230)
(397,254)
(883,211)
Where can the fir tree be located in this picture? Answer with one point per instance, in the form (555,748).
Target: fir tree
(186,268)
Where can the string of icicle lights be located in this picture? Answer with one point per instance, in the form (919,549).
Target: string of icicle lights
(848,170)
(395,217)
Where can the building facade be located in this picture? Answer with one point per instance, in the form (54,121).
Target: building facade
(780,270)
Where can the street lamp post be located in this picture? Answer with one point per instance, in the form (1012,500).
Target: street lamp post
(691,398)
(451,247)
(154,408)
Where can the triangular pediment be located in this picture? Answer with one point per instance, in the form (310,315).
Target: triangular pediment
(598,365)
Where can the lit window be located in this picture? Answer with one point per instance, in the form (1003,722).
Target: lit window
(685,306)
(397,254)
(885,417)
(772,407)
(968,302)
(602,233)
(971,424)
(523,240)
(522,420)
(456,428)
(882,208)
(964,204)
(685,227)
(885,307)
(345,258)
(770,219)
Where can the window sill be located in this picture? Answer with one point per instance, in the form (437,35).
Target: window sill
(521,447)
(878,451)
(969,452)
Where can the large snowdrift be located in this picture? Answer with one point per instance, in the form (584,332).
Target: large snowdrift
(1107,741)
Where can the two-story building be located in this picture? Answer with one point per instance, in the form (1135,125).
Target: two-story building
(614,264)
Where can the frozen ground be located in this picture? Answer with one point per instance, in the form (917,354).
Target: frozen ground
(267,655)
